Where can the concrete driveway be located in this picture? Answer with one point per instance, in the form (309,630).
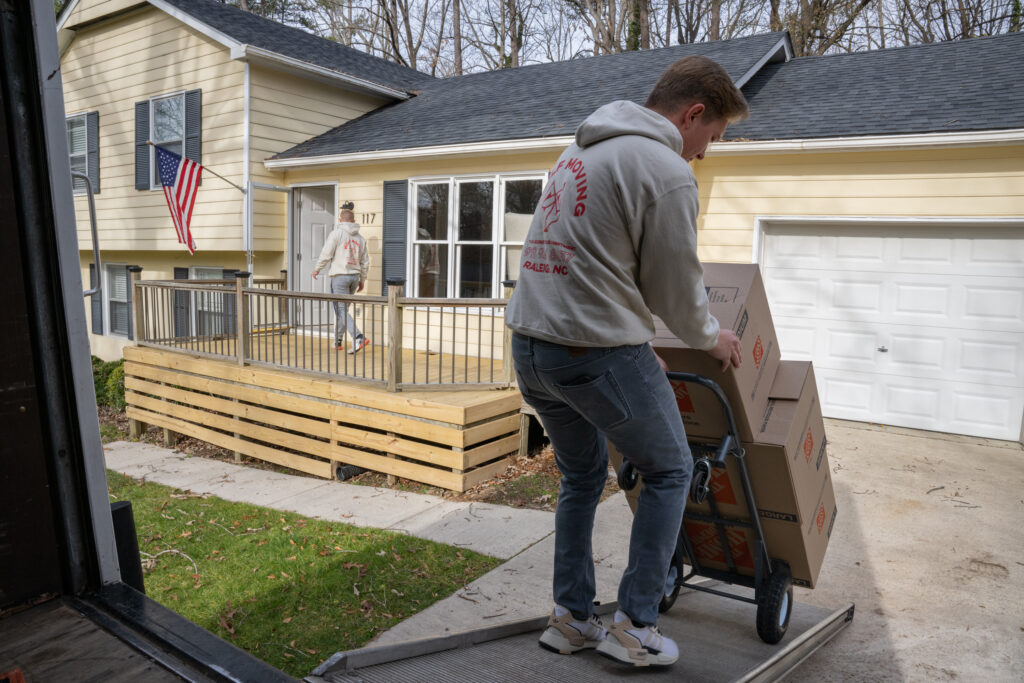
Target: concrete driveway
(929,545)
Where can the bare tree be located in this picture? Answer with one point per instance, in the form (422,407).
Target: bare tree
(457,35)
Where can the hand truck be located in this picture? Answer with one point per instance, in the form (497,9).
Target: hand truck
(772,581)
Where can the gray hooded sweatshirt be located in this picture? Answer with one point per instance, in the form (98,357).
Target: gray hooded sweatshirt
(345,250)
(614,239)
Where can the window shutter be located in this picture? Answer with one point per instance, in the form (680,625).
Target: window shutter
(181,299)
(141,148)
(92,125)
(194,125)
(96,301)
(128,298)
(396,203)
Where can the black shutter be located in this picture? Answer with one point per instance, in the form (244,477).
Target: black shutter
(92,136)
(396,204)
(182,322)
(194,127)
(128,298)
(96,301)
(141,148)
(229,306)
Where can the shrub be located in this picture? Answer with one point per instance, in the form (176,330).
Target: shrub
(108,392)
(115,387)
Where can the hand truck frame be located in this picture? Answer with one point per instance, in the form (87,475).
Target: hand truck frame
(772,581)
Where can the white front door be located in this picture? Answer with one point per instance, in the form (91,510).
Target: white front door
(914,326)
(314,220)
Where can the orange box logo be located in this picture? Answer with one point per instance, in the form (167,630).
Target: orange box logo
(721,486)
(758,352)
(820,520)
(683,400)
(808,446)
(708,548)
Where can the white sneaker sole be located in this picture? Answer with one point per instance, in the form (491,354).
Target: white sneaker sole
(611,647)
(552,639)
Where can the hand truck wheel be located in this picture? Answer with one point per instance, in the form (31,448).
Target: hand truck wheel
(627,476)
(775,606)
(700,483)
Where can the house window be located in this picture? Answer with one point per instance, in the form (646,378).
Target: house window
(83,149)
(167,126)
(115,292)
(209,310)
(468,233)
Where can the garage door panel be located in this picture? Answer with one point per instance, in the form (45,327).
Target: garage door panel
(915,299)
(917,403)
(918,326)
(796,341)
(846,396)
(1000,255)
(994,306)
(850,296)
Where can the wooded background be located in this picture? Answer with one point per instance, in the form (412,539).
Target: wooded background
(453,37)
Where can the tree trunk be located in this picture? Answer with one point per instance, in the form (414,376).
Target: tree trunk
(716,20)
(457,35)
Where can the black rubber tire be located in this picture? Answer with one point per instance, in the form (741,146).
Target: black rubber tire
(776,606)
(669,598)
(627,476)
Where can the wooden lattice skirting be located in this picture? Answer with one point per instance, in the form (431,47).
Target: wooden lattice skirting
(453,440)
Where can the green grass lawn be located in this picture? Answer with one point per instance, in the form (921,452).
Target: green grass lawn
(289,590)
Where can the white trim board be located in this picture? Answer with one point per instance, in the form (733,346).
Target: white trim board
(867,143)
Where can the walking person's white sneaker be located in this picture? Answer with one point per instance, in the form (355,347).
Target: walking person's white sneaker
(360,343)
(565,634)
(637,645)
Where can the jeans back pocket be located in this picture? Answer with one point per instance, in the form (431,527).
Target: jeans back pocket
(599,400)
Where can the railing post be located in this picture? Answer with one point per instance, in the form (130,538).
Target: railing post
(394,364)
(507,368)
(138,324)
(242,322)
(282,304)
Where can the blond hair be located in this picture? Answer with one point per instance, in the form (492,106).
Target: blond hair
(696,79)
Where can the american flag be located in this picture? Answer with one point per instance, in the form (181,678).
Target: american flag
(180,178)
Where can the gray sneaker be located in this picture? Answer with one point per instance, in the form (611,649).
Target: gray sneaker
(637,645)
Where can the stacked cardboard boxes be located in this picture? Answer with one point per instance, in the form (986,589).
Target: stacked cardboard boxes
(778,415)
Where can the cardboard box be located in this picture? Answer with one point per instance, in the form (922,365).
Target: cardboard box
(787,460)
(738,300)
(791,481)
(800,544)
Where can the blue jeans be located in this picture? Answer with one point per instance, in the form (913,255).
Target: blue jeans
(344,284)
(582,396)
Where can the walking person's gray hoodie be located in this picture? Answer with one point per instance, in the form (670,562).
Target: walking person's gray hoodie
(614,239)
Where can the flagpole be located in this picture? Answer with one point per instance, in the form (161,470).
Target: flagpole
(208,170)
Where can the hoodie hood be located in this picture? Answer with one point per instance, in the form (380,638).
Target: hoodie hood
(350,228)
(628,118)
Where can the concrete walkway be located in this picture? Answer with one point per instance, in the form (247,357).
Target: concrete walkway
(928,545)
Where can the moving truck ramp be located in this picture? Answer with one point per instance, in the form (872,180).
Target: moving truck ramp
(717,642)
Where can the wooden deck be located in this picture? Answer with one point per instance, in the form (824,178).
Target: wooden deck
(452,439)
(316,353)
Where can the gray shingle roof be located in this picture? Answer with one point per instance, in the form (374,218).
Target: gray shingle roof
(298,44)
(966,85)
(532,101)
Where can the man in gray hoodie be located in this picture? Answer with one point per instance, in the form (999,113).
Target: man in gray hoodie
(345,250)
(613,240)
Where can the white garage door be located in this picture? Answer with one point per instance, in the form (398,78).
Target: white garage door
(911,326)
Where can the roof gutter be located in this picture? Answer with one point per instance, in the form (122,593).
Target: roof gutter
(420,153)
(251,53)
(870,143)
